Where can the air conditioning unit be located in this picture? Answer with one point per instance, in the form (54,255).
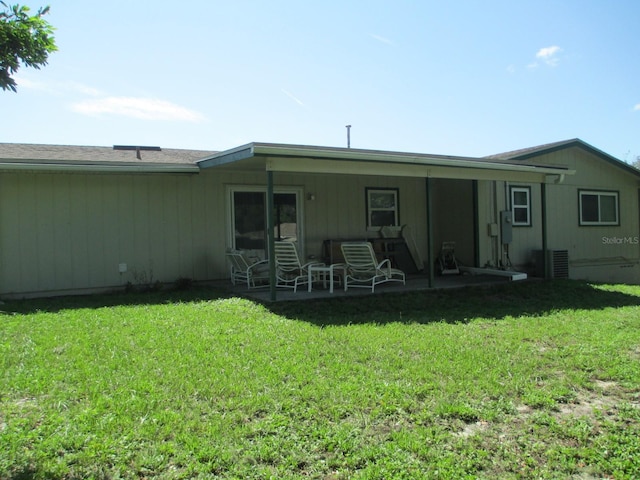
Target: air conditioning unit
(557,263)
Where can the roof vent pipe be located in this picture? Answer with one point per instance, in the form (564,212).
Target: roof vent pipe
(348,136)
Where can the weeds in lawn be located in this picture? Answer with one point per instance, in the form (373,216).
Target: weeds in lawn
(191,384)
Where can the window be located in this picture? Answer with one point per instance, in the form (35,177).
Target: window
(248,215)
(521,206)
(382,207)
(598,207)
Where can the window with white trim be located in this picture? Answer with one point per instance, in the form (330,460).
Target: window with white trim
(521,206)
(382,207)
(598,207)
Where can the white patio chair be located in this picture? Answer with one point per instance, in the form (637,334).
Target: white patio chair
(290,272)
(244,271)
(363,269)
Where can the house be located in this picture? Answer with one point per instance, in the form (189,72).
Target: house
(87,219)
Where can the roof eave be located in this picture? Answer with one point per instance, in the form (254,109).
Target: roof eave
(228,156)
(255,150)
(97,168)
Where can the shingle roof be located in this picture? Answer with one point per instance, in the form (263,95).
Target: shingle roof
(537,150)
(86,155)
(530,153)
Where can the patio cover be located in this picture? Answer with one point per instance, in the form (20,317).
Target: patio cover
(271,157)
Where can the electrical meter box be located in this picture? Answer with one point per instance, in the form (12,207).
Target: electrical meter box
(506,225)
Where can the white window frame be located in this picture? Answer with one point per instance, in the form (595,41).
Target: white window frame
(370,191)
(527,207)
(599,194)
(299,191)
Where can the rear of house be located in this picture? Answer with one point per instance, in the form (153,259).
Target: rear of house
(88,219)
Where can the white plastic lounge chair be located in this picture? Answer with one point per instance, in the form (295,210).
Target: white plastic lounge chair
(290,272)
(244,271)
(363,268)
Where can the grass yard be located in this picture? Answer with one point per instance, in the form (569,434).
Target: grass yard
(524,380)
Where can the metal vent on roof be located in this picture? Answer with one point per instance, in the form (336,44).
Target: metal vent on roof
(137,148)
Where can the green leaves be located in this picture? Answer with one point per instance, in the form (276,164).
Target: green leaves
(24,39)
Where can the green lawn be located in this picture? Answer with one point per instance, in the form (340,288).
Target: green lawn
(524,380)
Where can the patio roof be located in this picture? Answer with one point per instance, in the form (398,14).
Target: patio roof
(312,159)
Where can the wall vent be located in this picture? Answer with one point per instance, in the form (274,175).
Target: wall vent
(557,263)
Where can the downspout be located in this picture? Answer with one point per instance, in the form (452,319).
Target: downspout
(430,268)
(495,242)
(270,242)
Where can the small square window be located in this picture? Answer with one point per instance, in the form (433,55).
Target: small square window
(521,206)
(598,208)
(382,207)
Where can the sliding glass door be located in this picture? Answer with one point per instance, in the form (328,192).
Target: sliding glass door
(249,218)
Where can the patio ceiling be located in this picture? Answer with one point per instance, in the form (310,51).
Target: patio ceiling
(346,161)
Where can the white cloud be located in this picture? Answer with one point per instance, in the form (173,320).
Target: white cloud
(637,107)
(549,55)
(140,108)
(57,88)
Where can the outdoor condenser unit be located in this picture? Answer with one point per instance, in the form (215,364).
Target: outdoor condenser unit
(557,263)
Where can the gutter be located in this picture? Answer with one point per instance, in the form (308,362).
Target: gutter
(373,156)
(392,157)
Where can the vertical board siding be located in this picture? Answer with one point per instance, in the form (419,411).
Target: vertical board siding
(590,257)
(526,239)
(68,232)
(65,232)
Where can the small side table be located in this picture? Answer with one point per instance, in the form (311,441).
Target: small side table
(323,271)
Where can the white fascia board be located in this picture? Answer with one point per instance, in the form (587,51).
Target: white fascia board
(375,156)
(310,165)
(98,168)
(228,156)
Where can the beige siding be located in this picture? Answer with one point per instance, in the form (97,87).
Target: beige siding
(339,208)
(526,239)
(69,232)
(63,232)
(590,256)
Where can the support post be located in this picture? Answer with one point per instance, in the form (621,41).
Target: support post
(430,260)
(270,240)
(543,204)
(476,224)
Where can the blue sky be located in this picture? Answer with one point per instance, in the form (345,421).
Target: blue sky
(457,77)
